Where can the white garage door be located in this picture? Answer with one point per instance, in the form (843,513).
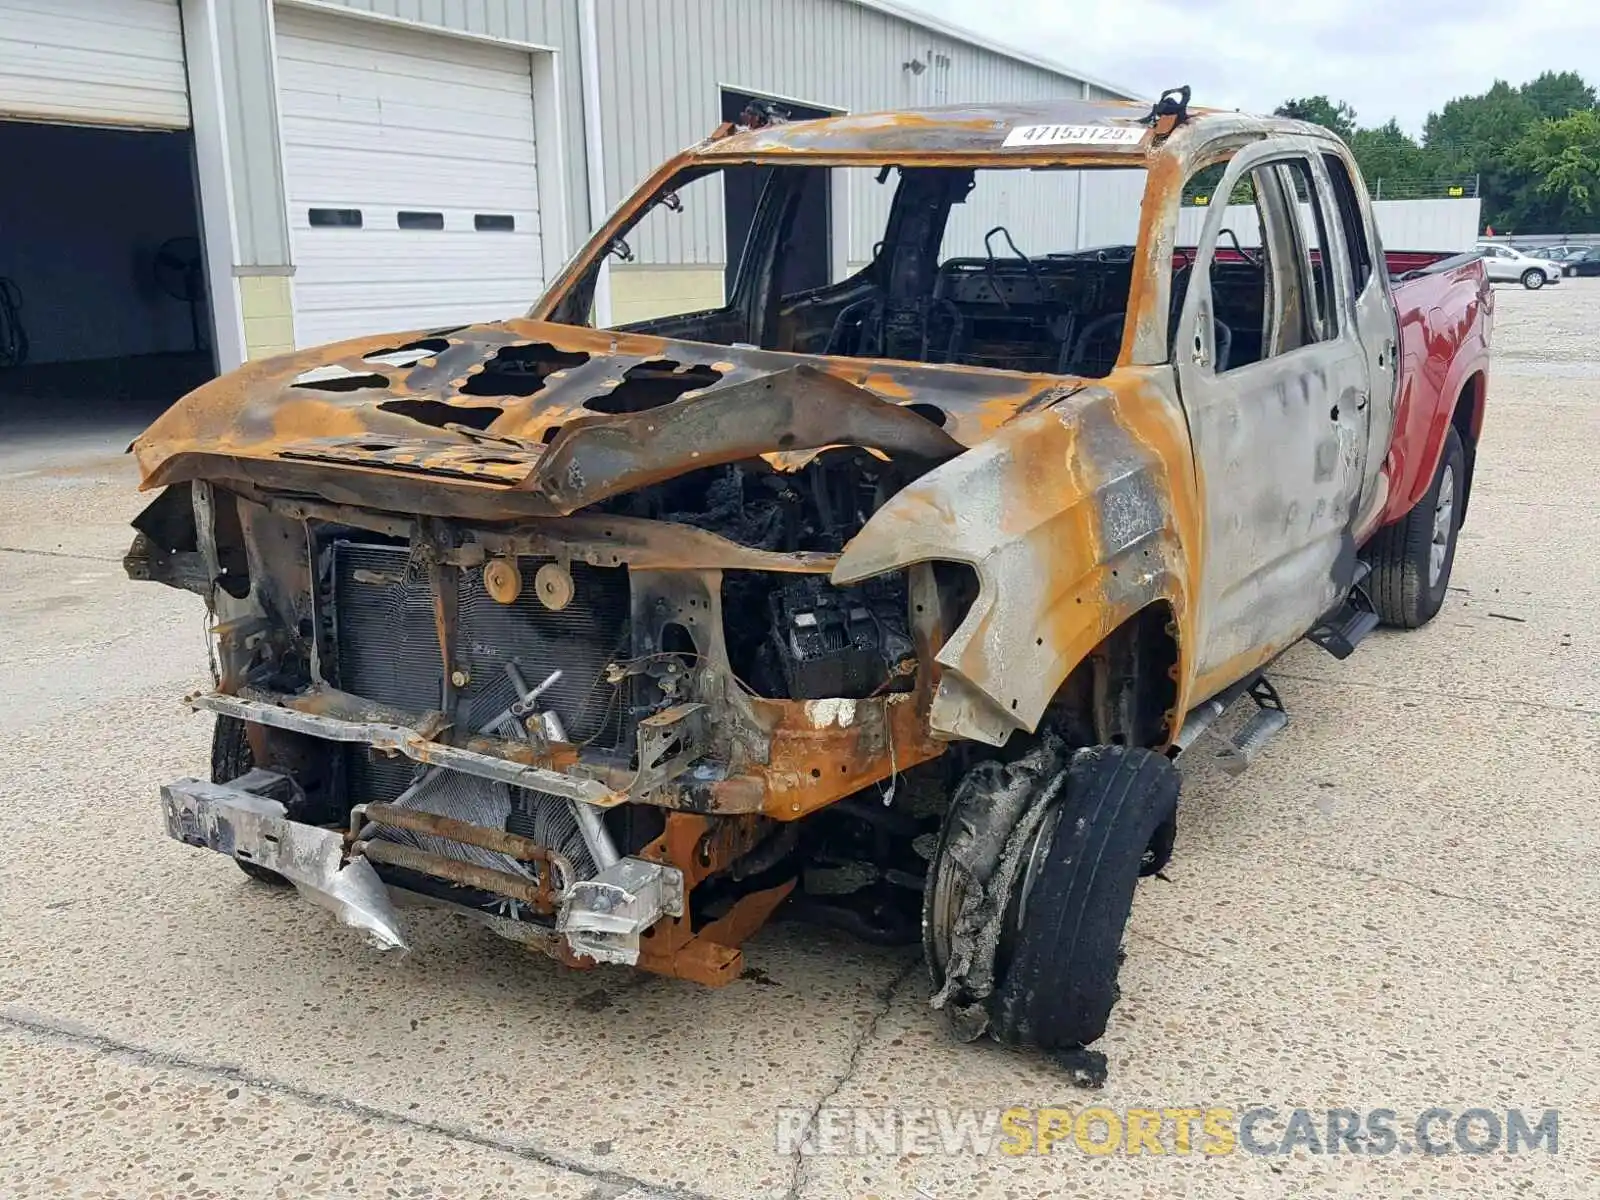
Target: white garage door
(100,62)
(413,194)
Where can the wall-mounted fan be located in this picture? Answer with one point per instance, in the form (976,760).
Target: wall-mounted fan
(179,269)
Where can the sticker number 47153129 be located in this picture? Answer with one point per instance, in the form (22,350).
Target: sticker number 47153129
(1074,135)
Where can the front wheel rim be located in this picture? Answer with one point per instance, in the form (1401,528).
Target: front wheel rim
(1444,517)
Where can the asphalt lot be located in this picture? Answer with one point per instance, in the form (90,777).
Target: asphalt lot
(1395,909)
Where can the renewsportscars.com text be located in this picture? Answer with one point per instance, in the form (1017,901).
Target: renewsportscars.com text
(1215,1130)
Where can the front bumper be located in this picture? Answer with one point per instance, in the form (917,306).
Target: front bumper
(600,919)
(245,820)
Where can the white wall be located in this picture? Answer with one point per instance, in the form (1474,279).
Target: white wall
(1428,224)
(81,216)
(1402,224)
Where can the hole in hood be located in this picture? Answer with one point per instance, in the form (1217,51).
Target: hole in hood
(335,378)
(931,411)
(651,384)
(521,370)
(410,354)
(439,414)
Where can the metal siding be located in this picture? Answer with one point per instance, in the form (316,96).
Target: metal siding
(662,64)
(115,62)
(664,60)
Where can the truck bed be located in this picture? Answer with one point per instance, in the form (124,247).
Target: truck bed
(1445,320)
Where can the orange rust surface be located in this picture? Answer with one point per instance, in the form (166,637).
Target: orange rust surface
(711,957)
(700,846)
(824,750)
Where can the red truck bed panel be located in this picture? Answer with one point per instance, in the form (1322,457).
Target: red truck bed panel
(1445,322)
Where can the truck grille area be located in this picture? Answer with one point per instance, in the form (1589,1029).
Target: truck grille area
(387,650)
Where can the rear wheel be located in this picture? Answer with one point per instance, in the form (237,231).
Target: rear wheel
(1029,950)
(1411,559)
(231,758)
(1533,279)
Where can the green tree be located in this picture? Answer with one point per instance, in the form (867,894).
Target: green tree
(1473,135)
(1391,159)
(1556,94)
(1560,166)
(1535,150)
(1319,110)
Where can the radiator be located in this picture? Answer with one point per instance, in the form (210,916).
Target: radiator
(387,650)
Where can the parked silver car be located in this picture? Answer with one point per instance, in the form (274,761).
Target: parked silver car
(1506,265)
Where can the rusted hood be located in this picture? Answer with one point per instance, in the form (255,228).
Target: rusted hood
(550,417)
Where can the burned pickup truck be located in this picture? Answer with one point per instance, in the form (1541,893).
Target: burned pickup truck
(887,595)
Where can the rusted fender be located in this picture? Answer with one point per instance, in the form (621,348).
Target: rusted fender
(1075,517)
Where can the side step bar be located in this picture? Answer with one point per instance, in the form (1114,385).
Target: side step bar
(1340,631)
(1235,754)
(1267,722)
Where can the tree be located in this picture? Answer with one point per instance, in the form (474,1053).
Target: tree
(1560,162)
(1473,135)
(1557,94)
(1319,110)
(1535,150)
(1393,156)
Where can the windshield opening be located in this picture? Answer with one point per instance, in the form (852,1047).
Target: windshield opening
(1012,268)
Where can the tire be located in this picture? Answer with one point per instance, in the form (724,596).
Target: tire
(1058,987)
(231,758)
(1533,279)
(1411,559)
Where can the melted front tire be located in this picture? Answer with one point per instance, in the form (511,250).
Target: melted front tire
(1024,942)
(1059,988)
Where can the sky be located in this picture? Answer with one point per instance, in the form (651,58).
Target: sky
(1386,59)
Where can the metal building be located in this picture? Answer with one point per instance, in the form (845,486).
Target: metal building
(230,179)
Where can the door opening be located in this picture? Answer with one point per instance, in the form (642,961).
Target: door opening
(808,264)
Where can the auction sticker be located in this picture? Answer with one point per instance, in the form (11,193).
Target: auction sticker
(1074,135)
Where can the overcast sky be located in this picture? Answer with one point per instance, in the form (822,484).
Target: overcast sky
(1385,58)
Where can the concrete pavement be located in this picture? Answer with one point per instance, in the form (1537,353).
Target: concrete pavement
(1396,908)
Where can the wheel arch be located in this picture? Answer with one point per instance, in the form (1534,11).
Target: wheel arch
(1466,418)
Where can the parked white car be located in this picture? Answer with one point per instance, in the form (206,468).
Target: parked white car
(1505,265)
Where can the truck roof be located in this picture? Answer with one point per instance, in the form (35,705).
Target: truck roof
(1062,125)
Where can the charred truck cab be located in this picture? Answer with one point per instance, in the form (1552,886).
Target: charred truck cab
(893,599)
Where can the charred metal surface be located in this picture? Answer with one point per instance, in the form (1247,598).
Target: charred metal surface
(801,408)
(1074,519)
(485,757)
(520,848)
(535,894)
(256,427)
(254,828)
